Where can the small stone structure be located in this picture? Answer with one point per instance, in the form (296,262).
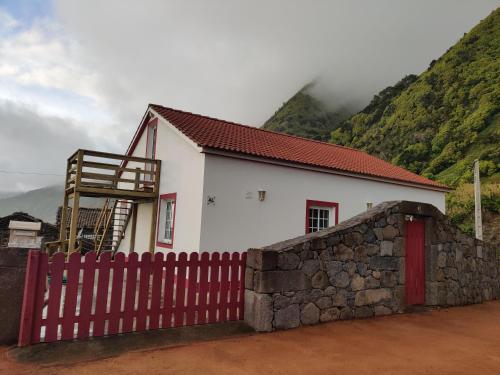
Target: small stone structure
(357,270)
(48,231)
(25,234)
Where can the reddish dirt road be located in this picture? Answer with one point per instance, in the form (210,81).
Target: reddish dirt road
(462,340)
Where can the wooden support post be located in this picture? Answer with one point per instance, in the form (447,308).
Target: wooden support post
(137,178)
(157,177)
(155,208)
(76,204)
(154,216)
(134,227)
(64,211)
(64,219)
(74,223)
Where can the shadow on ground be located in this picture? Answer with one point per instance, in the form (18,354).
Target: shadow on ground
(68,352)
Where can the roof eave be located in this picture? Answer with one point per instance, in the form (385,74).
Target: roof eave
(284,163)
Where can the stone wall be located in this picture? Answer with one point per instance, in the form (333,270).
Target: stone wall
(12,273)
(357,270)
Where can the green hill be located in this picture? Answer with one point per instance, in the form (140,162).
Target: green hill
(306,116)
(443,119)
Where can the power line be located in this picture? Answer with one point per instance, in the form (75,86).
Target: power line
(30,173)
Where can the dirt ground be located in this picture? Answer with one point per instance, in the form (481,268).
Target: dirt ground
(461,340)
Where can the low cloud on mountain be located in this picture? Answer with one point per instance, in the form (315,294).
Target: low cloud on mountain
(91,67)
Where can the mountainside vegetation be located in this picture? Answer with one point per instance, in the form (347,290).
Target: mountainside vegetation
(436,124)
(304,115)
(443,119)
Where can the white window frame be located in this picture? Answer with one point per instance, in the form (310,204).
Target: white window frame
(319,209)
(166,218)
(314,220)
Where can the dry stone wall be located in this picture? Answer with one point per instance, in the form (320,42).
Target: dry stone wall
(12,272)
(357,270)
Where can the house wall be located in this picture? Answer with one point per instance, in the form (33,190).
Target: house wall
(237,222)
(181,173)
(144,211)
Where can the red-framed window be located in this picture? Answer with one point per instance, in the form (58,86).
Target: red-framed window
(166,220)
(151,135)
(321,215)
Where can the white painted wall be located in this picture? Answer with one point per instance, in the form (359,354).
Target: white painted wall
(182,167)
(142,234)
(182,173)
(236,223)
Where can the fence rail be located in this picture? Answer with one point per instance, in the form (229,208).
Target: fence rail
(94,296)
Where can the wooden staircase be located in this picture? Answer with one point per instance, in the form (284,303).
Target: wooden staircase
(111,225)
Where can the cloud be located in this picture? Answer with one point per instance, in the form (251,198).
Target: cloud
(34,148)
(44,56)
(241,60)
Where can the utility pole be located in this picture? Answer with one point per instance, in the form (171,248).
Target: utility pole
(477,201)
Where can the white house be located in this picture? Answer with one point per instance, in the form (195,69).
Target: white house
(228,187)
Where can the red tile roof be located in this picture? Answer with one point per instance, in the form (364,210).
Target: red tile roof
(229,136)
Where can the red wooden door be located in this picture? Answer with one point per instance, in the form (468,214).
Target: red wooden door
(415,262)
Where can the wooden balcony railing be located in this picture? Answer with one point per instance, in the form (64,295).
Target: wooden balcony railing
(94,173)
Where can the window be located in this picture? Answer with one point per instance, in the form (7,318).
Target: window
(150,148)
(320,215)
(151,140)
(319,218)
(166,222)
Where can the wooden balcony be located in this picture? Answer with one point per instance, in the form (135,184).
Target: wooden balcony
(118,178)
(102,174)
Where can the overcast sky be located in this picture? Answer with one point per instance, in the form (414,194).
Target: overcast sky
(79,74)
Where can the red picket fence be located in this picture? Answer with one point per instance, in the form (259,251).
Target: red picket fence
(90,297)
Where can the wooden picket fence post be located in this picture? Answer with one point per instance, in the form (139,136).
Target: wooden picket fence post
(29,296)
